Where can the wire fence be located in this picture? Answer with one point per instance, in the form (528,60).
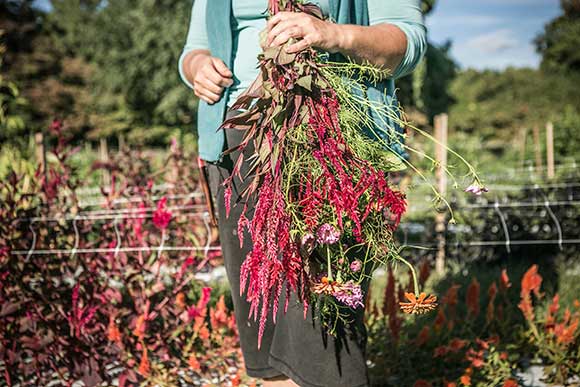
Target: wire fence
(117,215)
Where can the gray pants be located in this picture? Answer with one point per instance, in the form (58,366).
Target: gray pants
(294,346)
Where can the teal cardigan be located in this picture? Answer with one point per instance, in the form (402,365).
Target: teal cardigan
(219,31)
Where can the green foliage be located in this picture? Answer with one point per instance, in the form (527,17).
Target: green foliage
(495,105)
(559,42)
(133,47)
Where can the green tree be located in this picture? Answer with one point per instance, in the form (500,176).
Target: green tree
(559,42)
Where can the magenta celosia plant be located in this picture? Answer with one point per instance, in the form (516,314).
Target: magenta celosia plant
(87,295)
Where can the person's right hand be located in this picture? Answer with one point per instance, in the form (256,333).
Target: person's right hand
(211,77)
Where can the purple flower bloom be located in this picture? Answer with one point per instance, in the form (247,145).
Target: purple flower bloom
(327,234)
(356,265)
(476,189)
(349,294)
(307,244)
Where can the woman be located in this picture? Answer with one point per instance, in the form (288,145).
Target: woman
(219,61)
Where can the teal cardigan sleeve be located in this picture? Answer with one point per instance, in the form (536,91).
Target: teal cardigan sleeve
(407,15)
(196,36)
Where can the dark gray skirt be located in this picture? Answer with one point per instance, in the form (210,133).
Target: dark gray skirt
(294,346)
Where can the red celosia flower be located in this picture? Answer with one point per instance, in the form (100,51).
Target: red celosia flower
(194,363)
(423,336)
(510,383)
(144,366)
(113,333)
(504,283)
(161,217)
(531,282)
(472,299)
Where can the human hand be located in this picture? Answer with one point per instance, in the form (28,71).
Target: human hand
(211,77)
(309,30)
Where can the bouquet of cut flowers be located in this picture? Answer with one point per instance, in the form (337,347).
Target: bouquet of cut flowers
(325,210)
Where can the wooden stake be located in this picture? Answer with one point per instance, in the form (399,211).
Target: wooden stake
(524,140)
(537,149)
(550,150)
(40,151)
(104,157)
(441,132)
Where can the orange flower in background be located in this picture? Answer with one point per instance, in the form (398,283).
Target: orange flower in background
(422,383)
(204,333)
(113,333)
(526,307)
(510,383)
(551,314)
(194,363)
(504,281)
(577,304)
(423,336)
(144,366)
(531,282)
(465,380)
(219,315)
(236,380)
(565,334)
(472,299)
(457,344)
(440,320)
(418,305)
(140,326)
(447,383)
(450,297)
(180,300)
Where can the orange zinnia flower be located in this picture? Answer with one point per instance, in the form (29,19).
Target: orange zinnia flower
(465,380)
(418,304)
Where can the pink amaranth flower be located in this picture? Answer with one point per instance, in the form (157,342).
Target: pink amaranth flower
(327,234)
(356,265)
(161,217)
(476,189)
(349,294)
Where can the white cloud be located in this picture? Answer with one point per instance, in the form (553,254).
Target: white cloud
(493,42)
(467,20)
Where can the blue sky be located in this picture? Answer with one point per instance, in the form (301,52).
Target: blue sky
(491,33)
(486,34)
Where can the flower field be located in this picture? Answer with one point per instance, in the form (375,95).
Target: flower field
(109,291)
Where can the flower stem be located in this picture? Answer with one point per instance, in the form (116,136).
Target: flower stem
(413,273)
(328,263)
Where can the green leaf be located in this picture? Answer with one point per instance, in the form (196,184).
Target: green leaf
(305,82)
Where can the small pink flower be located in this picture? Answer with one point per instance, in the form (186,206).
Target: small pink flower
(161,217)
(356,265)
(476,189)
(327,234)
(307,244)
(349,294)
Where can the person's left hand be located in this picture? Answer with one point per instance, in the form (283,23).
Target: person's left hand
(308,30)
